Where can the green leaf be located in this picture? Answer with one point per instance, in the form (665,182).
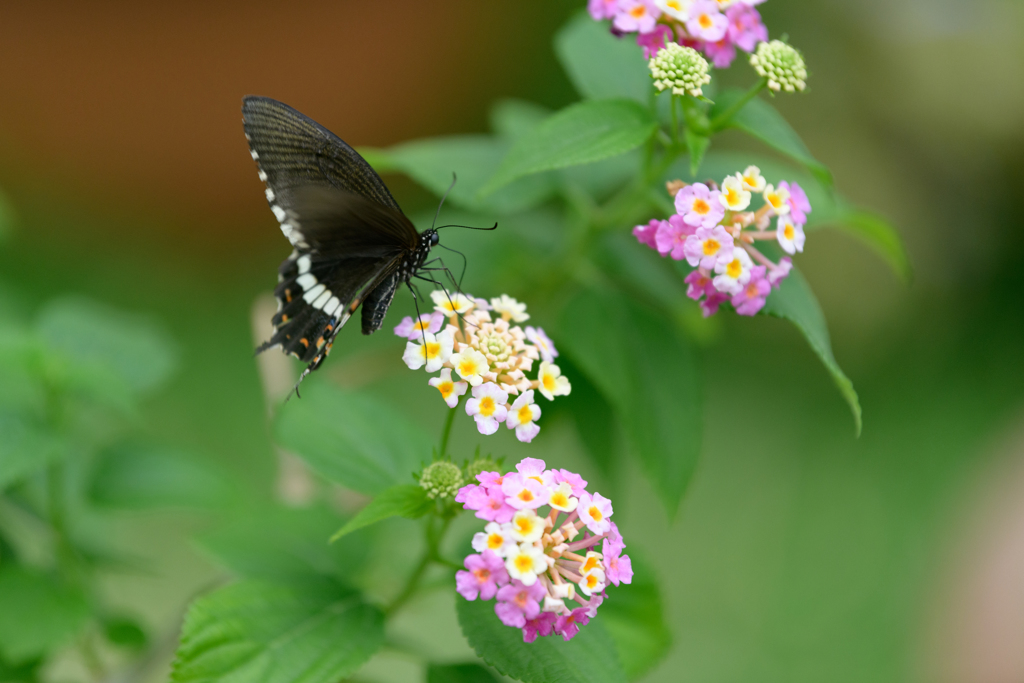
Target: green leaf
(131,346)
(878,234)
(795,302)
(649,374)
(284,544)
(593,416)
(125,632)
(25,448)
(459,673)
(635,619)
(38,614)
(599,64)
(474,159)
(352,439)
(698,146)
(762,121)
(589,657)
(258,632)
(137,475)
(404,500)
(579,134)
(511,118)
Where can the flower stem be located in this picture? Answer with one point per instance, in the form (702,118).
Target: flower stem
(431,554)
(719,121)
(447,431)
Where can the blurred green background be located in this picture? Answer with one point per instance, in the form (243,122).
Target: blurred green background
(799,553)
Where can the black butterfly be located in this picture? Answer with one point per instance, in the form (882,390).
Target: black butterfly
(352,244)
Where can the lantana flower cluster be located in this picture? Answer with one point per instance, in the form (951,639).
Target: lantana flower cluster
(539,549)
(714,27)
(487,356)
(714,231)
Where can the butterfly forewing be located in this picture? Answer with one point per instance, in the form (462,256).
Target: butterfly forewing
(352,244)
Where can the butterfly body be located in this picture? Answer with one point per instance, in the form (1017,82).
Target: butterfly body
(352,245)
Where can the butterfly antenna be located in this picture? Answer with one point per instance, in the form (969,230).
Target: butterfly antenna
(467,227)
(438,213)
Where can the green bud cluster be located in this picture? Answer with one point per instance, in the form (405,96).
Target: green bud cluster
(480,465)
(441,479)
(781,64)
(680,68)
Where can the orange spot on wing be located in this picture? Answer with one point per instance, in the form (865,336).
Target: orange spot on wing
(304,342)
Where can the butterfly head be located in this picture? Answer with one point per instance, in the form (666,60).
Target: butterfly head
(430,238)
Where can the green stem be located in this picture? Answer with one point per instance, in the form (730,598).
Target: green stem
(447,431)
(431,554)
(675,122)
(719,121)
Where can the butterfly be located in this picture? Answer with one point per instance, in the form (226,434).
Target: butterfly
(351,244)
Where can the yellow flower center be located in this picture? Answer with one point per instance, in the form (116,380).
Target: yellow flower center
(525,495)
(750,180)
(559,499)
(525,414)
(525,524)
(431,350)
(421,325)
(524,563)
(482,575)
(700,206)
(711,247)
(495,541)
(638,11)
(446,388)
(674,4)
(549,382)
(595,514)
(788,231)
(705,21)
(487,406)
(467,368)
(734,268)
(591,580)
(774,200)
(732,197)
(589,565)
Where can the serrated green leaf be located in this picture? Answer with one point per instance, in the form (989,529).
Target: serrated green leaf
(133,347)
(276,543)
(878,234)
(590,657)
(762,121)
(37,615)
(136,475)
(795,302)
(601,65)
(649,374)
(352,439)
(459,673)
(259,632)
(635,619)
(579,134)
(474,159)
(405,500)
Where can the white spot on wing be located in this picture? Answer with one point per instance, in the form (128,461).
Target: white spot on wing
(306,281)
(331,306)
(255,156)
(270,195)
(278,212)
(263,176)
(304,263)
(322,300)
(312,294)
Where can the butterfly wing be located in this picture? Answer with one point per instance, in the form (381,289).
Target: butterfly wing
(351,246)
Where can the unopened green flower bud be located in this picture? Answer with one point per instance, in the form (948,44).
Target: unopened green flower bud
(480,465)
(680,68)
(781,64)
(441,479)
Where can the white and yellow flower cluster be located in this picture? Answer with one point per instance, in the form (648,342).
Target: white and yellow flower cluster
(478,345)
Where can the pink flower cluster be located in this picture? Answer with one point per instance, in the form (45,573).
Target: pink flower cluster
(710,231)
(534,560)
(489,356)
(715,27)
